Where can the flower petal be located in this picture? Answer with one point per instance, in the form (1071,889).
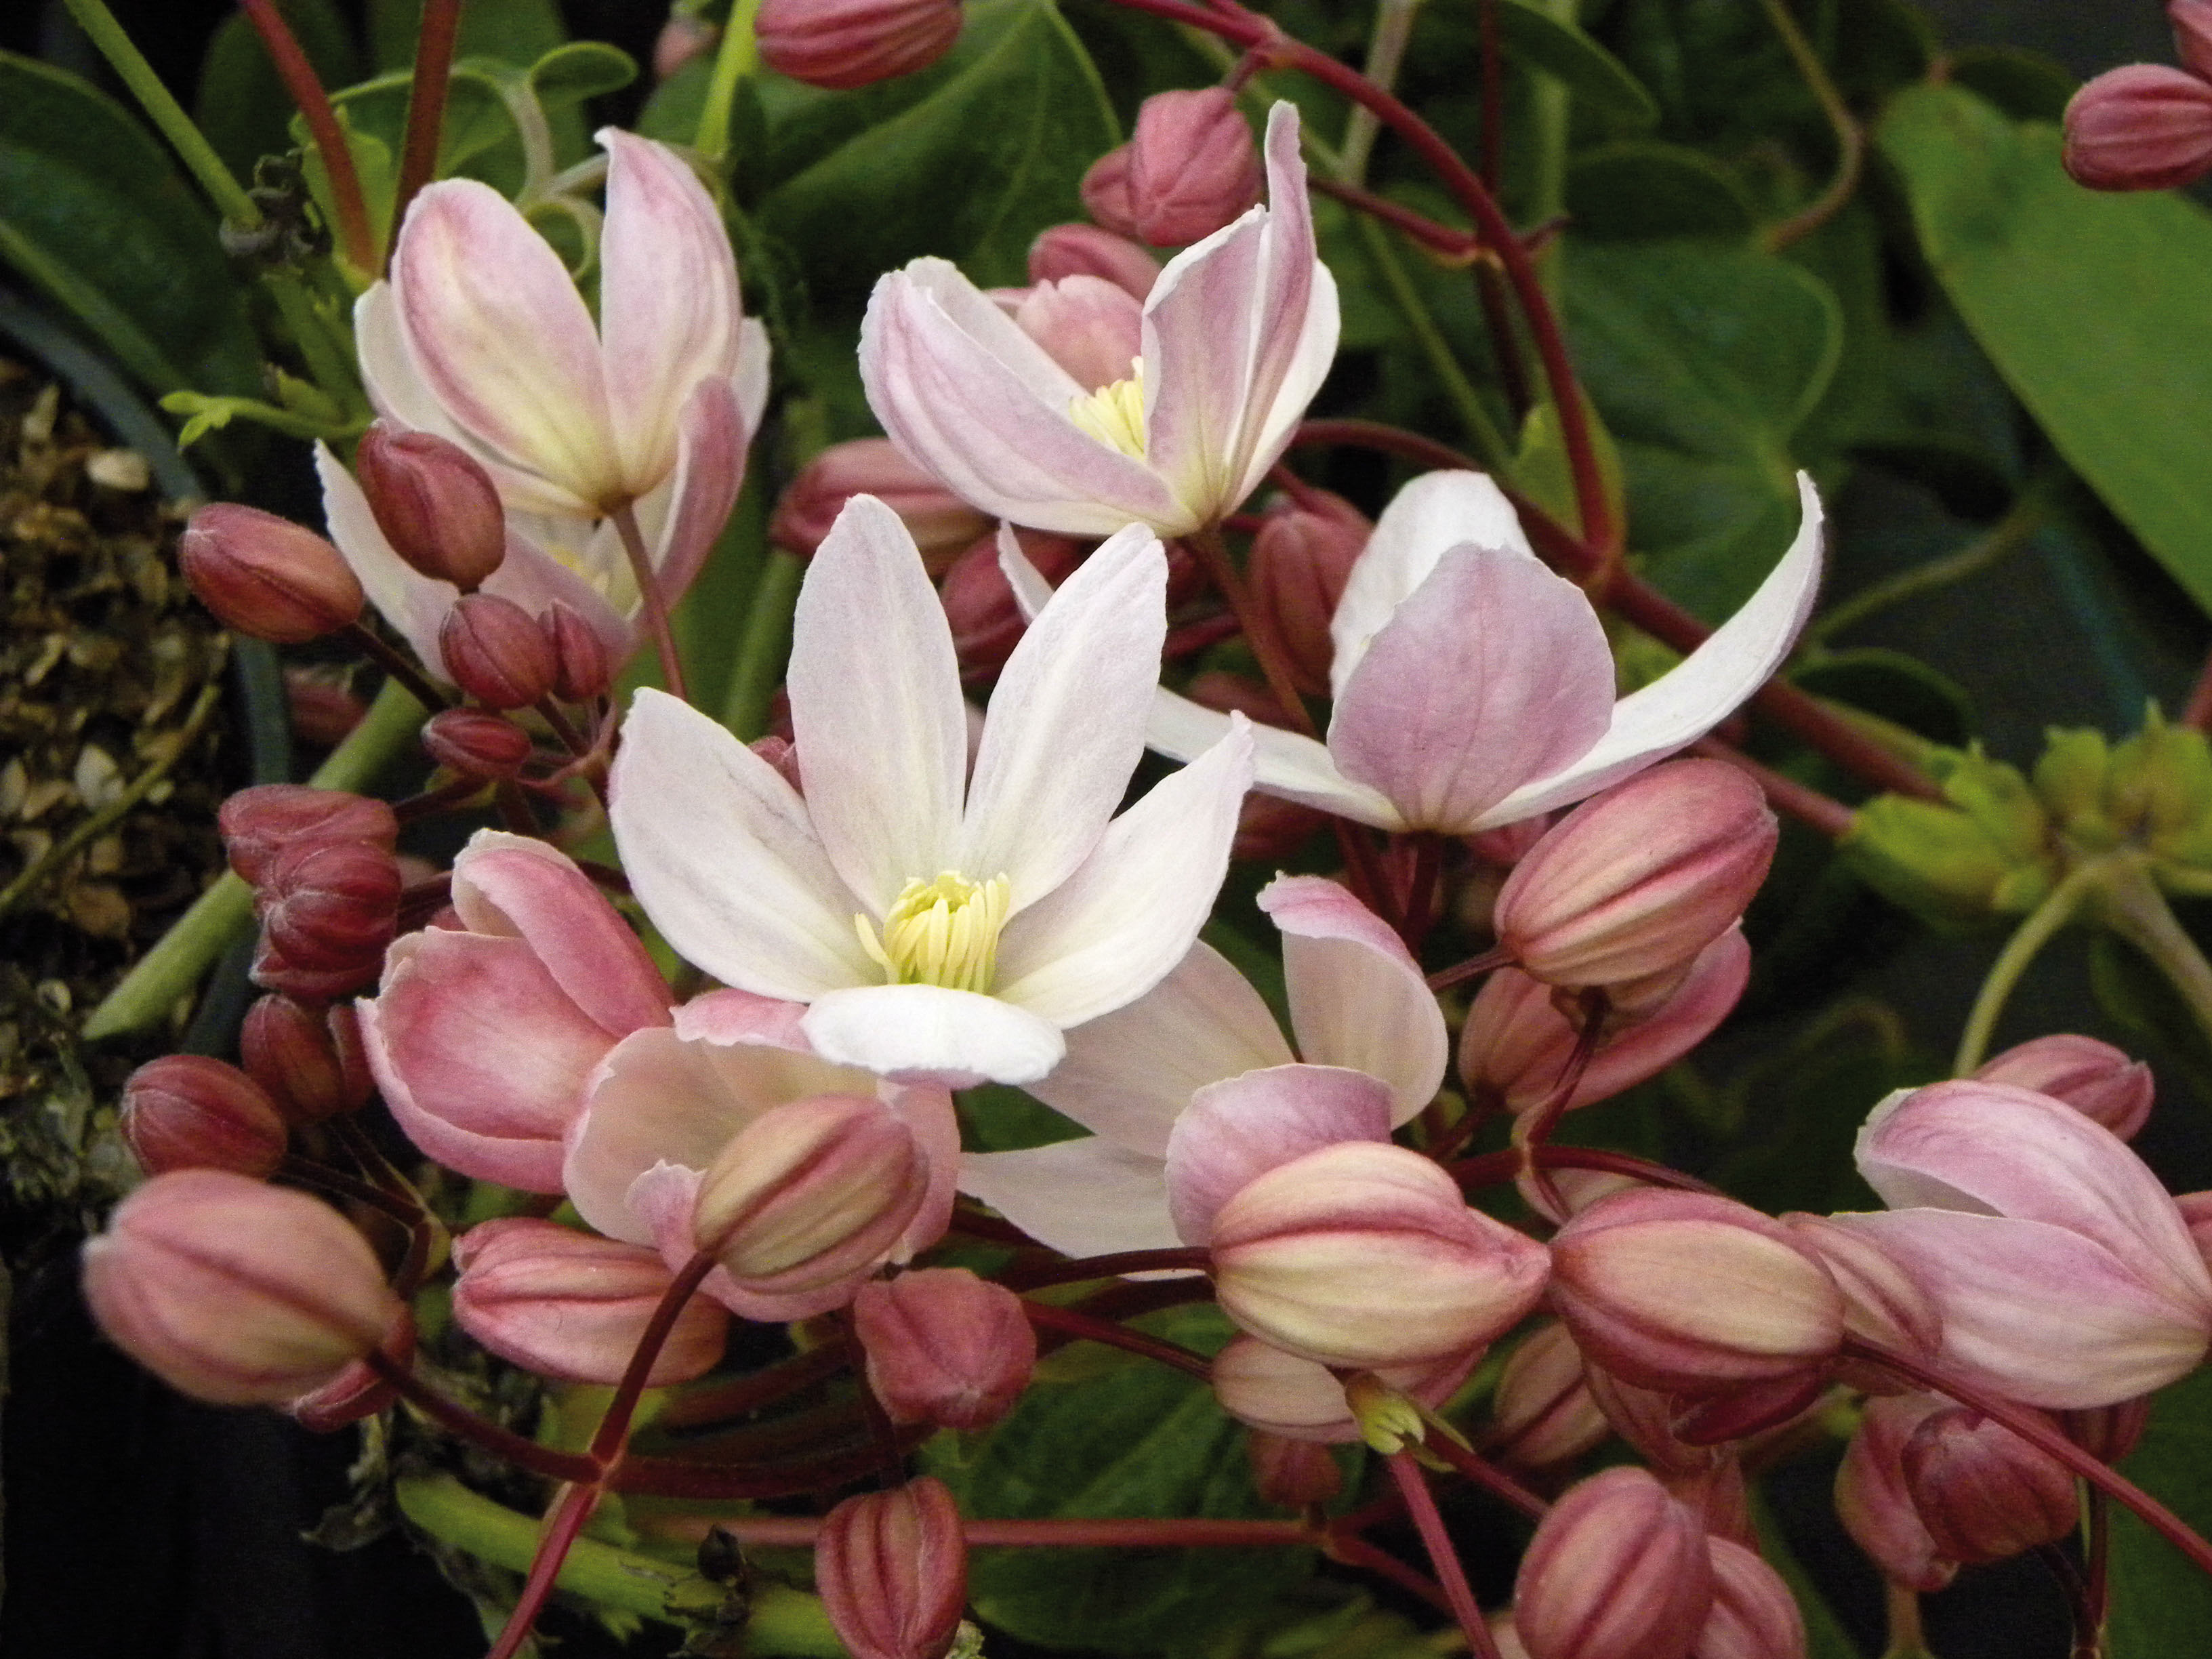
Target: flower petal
(1286,763)
(1492,672)
(1082,1198)
(930,1031)
(415,604)
(1357,998)
(1066,723)
(876,711)
(721,853)
(1242,1126)
(1201,323)
(665,1196)
(712,436)
(1121,923)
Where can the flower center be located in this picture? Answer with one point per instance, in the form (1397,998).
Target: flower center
(1115,415)
(940,932)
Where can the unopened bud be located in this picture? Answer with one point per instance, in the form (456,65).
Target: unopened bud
(2094,1077)
(1645,1417)
(477,745)
(1884,1306)
(2107,1433)
(1754,1615)
(1542,1411)
(1090,327)
(1872,1503)
(815,1192)
(892,1570)
(943,1346)
(309,1059)
(987,620)
(496,652)
(267,577)
(1190,167)
(328,906)
(1080,250)
(2193,33)
(940,523)
(1302,555)
(234,1291)
(259,822)
(272,971)
(1984,1493)
(840,43)
(1692,1292)
(583,668)
(1640,879)
(188,1112)
(2145,126)
(1364,1255)
(1618,1569)
(360,1389)
(1291,1474)
(435,503)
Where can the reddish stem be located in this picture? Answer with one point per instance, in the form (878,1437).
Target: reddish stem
(1784,794)
(1421,1505)
(1439,239)
(1104,1266)
(306,90)
(606,1449)
(1487,1475)
(654,601)
(451,1415)
(1390,439)
(1459,973)
(562,1525)
(1495,1169)
(1341,1545)
(720,1402)
(1082,1326)
(426,105)
(392,663)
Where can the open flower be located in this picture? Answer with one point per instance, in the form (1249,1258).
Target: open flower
(1238,332)
(1473,688)
(936,924)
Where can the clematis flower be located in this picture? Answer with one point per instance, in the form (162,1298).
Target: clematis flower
(1473,688)
(1237,334)
(935,924)
(1203,1043)
(481,338)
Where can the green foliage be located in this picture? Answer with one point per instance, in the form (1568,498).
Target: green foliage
(2161,1605)
(241,105)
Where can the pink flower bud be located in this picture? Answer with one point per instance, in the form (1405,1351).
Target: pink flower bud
(1090,327)
(1748,1408)
(2094,1077)
(1692,1292)
(1080,250)
(322,709)
(841,44)
(573,1305)
(1301,556)
(496,652)
(1281,1394)
(309,1059)
(1883,1304)
(2193,33)
(359,1389)
(1753,1616)
(267,577)
(1640,879)
(940,523)
(1364,1255)
(1984,1493)
(1645,1417)
(1618,1569)
(582,669)
(944,1347)
(1291,1474)
(2107,1433)
(813,1192)
(435,503)
(272,971)
(1872,1500)
(987,622)
(2144,127)
(188,1112)
(892,1570)
(234,1292)
(1542,1411)
(1517,1044)
(1189,169)
(477,745)
(257,824)
(330,906)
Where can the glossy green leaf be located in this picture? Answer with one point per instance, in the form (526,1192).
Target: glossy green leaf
(1533,39)
(1642,187)
(241,105)
(568,75)
(92,213)
(2096,308)
(1017,122)
(2162,1607)
(2025,85)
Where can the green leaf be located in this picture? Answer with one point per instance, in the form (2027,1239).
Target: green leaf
(241,105)
(1642,187)
(2161,1606)
(2025,85)
(570,74)
(92,212)
(1602,83)
(1702,358)
(2096,308)
(972,173)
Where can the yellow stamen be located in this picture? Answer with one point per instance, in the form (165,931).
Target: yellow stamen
(1115,415)
(940,932)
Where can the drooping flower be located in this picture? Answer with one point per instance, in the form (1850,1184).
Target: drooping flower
(1473,688)
(1237,334)
(935,923)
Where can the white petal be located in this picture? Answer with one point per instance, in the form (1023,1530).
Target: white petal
(1031,590)
(1286,763)
(1082,1198)
(926,1032)
(414,603)
(1201,323)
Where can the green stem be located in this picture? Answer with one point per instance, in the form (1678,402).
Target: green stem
(191,146)
(1850,136)
(766,645)
(2131,905)
(1483,437)
(225,911)
(2003,538)
(2063,903)
(739,57)
(329,358)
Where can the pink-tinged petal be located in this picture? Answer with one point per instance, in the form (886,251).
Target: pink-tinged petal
(1082,1198)
(712,435)
(1703,689)
(1067,726)
(1274,421)
(1129,1074)
(925,1031)
(1200,326)
(415,604)
(1302,1400)
(1357,998)
(664,1197)
(926,1110)
(1493,672)
(1119,924)
(396,391)
(974,401)
(876,711)
(481,1058)
(515,885)
(1434,513)
(2040,1314)
(721,853)
(2006,1151)
(499,334)
(1286,763)
(1240,1127)
(668,299)
(727,1016)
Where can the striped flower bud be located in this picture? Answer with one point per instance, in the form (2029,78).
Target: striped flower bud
(259,822)
(1984,1493)
(309,1059)
(477,745)
(841,44)
(496,652)
(892,1570)
(2095,1079)
(1080,250)
(267,577)
(1302,555)
(1190,167)
(331,907)
(2145,126)
(940,523)
(188,1112)
(1618,1569)
(943,1346)
(435,503)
